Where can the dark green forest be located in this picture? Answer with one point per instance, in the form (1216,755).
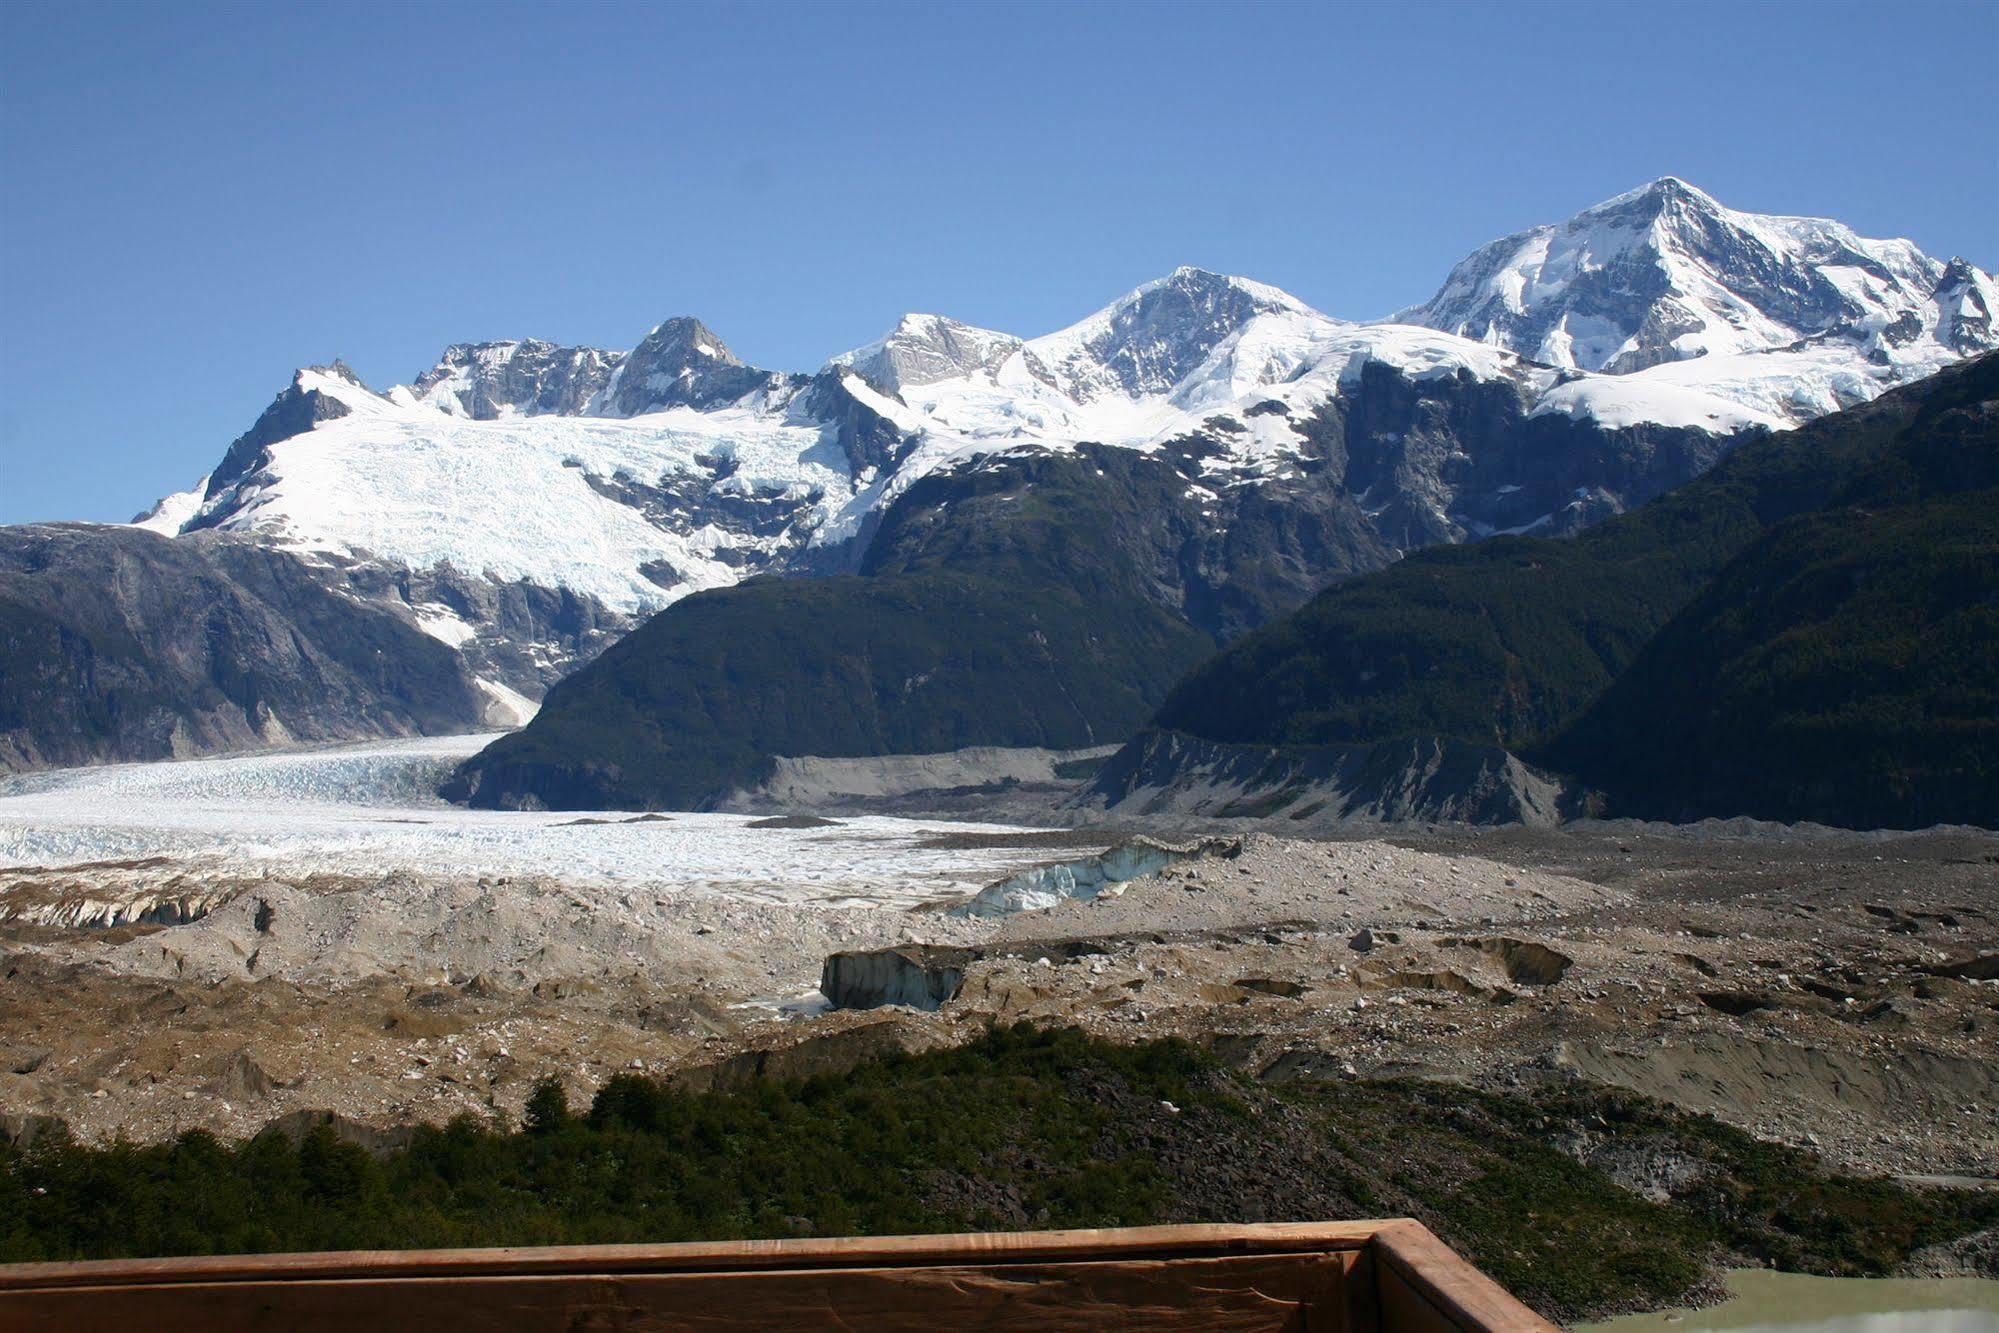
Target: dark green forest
(1023,1128)
(1025,619)
(1815,616)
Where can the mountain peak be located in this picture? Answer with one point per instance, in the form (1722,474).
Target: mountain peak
(1663,192)
(681,363)
(1149,340)
(924,349)
(334,383)
(686,336)
(1206,284)
(1667,273)
(338,370)
(1957,271)
(1967,308)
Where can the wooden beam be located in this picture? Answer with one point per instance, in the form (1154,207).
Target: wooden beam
(1350,1277)
(1233,1294)
(986,1247)
(1414,1266)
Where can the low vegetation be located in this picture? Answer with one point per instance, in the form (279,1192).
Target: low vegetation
(1022,1128)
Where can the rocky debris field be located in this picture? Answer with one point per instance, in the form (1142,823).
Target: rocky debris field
(1832,991)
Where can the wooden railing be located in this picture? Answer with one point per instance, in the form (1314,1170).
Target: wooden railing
(1358,1277)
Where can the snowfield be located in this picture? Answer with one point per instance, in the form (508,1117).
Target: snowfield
(368,810)
(524,499)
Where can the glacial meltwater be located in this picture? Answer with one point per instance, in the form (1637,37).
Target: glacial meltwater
(1764,1302)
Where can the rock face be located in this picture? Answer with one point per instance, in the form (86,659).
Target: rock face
(1163,773)
(120,644)
(681,363)
(529,377)
(1153,340)
(1225,539)
(928,349)
(1976,1255)
(1968,313)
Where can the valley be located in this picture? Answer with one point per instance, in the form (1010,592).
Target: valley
(1553,727)
(837,665)
(224,943)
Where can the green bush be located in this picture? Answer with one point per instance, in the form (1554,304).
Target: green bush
(1023,1128)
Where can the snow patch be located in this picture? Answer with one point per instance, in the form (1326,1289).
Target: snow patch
(172,512)
(440,622)
(505,707)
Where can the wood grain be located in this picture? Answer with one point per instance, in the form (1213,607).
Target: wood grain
(1411,1260)
(740,1255)
(1352,1277)
(1235,1294)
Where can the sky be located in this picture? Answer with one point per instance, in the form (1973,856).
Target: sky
(197,198)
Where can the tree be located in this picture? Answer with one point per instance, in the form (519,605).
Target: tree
(547,1108)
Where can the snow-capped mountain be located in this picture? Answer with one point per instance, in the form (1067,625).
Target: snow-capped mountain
(1667,274)
(526,503)
(1153,341)
(530,377)
(923,349)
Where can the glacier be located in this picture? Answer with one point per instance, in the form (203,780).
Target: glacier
(369,810)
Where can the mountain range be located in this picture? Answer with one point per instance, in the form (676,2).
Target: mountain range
(1079,517)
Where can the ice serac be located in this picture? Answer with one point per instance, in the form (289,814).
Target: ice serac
(1666,273)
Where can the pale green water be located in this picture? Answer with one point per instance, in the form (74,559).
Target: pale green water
(1763,1302)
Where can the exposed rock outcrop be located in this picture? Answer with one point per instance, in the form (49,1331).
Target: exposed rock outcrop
(1166,773)
(120,644)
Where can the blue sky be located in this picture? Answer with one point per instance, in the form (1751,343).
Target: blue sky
(198,198)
